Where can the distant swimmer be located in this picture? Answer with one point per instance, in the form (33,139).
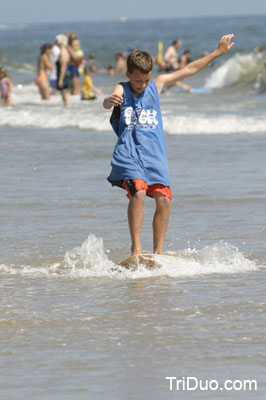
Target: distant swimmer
(5,87)
(185,58)
(76,60)
(53,75)
(63,76)
(91,63)
(45,65)
(258,49)
(260,83)
(171,56)
(79,53)
(121,64)
(182,86)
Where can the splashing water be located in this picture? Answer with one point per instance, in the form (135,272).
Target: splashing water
(90,256)
(239,68)
(91,261)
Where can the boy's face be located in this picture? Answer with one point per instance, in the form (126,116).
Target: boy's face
(138,81)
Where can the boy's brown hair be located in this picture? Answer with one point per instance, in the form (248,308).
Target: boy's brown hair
(140,60)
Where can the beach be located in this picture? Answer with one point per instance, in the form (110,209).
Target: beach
(76,325)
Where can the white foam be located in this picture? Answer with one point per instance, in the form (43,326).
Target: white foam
(12,27)
(203,124)
(241,67)
(30,111)
(90,260)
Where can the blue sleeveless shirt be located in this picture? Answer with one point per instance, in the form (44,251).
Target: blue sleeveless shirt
(140,149)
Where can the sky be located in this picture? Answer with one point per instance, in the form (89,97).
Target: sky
(35,11)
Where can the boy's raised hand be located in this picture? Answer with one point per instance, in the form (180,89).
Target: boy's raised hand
(225,44)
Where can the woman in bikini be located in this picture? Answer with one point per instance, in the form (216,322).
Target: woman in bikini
(45,64)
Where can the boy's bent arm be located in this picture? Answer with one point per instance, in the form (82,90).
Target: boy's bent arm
(195,66)
(115,98)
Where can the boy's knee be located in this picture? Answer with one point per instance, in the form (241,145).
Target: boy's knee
(139,195)
(162,201)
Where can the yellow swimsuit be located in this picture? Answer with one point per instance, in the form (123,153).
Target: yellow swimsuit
(87,88)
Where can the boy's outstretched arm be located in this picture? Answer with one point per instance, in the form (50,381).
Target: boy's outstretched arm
(115,98)
(192,68)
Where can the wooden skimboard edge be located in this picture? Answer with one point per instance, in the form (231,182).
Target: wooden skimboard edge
(134,261)
(149,260)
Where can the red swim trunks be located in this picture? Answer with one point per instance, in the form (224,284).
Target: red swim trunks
(134,185)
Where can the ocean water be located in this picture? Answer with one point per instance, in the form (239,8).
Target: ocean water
(75,325)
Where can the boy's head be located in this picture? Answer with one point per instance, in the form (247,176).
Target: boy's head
(139,70)
(140,61)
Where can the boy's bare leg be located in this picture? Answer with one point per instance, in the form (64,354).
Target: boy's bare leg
(160,221)
(135,219)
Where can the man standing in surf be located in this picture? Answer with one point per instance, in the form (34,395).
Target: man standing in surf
(139,163)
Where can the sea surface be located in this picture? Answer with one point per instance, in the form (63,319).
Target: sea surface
(73,324)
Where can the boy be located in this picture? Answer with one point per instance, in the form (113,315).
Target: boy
(139,162)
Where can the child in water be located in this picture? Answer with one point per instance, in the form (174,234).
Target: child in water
(139,163)
(88,90)
(5,87)
(79,53)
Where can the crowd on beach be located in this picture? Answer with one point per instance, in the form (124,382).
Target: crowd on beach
(60,67)
(63,67)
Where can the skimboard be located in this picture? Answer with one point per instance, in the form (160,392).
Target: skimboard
(194,90)
(148,260)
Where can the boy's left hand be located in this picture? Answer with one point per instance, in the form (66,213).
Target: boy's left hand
(225,44)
